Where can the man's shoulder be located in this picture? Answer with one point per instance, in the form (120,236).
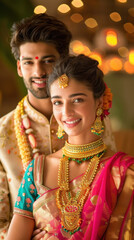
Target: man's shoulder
(6,120)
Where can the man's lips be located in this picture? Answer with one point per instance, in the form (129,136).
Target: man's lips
(39,83)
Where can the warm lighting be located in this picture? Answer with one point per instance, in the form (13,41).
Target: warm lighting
(39,9)
(77,3)
(115,16)
(91,23)
(123,51)
(111,38)
(115,64)
(86,51)
(97,57)
(128,67)
(131,11)
(122,1)
(76,17)
(131,57)
(63,8)
(129,27)
(77,47)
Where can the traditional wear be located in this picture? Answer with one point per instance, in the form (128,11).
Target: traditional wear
(111,195)
(11,169)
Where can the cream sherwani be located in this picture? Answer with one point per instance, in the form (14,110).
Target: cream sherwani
(11,169)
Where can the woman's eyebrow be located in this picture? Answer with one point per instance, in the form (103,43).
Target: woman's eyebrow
(70,96)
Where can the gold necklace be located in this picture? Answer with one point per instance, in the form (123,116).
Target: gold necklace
(81,153)
(24,134)
(71,206)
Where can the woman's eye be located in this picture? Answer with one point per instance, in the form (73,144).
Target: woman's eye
(77,100)
(56,103)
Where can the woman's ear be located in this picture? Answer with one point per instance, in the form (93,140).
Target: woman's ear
(100,102)
(19,68)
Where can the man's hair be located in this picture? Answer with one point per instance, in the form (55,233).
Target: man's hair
(40,28)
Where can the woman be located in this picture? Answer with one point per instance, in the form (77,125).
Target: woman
(77,192)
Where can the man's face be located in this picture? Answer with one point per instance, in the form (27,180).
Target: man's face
(35,64)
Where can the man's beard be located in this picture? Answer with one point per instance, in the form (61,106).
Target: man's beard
(40,93)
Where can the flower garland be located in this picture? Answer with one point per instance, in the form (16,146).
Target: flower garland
(24,135)
(107,101)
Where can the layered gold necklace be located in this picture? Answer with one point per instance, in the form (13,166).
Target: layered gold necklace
(25,135)
(71,204)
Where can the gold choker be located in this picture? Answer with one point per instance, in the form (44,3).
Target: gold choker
(80,153)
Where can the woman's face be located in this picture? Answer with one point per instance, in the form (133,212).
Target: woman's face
(74,107)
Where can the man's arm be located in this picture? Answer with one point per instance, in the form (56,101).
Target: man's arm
(4,203)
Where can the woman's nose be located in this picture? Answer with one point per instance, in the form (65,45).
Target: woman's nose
(68,109)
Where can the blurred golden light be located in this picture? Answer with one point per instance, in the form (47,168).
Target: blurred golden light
(77,3)
(86,51)
(115,16)
(131,57)
(131,11)
(76,17)
(77,47)
(111,38)
(123,51)
(91,23)
(39,9)
(129,27)
(63,8)
(122,1)
(97,57)
(115,64)
(128,67)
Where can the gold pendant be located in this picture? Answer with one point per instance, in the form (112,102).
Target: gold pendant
(71,219)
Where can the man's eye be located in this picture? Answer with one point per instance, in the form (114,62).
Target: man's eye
(28,63)
(47,61)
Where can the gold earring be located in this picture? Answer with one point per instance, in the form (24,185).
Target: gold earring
(60,132)
(98,127)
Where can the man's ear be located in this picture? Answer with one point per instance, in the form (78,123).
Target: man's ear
(19,68)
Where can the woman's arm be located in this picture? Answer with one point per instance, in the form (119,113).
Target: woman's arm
(20,228)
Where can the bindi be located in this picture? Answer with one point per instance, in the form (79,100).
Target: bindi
(36,57)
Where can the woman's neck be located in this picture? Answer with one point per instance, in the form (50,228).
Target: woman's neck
(81,140)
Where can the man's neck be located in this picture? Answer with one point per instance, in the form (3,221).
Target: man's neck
(43,106)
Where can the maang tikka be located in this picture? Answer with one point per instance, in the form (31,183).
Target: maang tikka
(63,81)
(98,127)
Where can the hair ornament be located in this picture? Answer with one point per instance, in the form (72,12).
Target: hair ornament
(107,101)
(63,81)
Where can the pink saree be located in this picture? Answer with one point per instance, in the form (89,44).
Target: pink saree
(108,213)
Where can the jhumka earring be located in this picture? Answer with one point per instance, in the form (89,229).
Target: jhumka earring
(98,127)
(60,133)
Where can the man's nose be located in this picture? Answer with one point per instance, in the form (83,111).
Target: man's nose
(39,70)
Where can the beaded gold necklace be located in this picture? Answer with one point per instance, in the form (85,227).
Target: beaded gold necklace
(24,134)
(71,204)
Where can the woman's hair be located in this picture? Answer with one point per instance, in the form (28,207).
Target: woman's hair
(40,28)
(83,69)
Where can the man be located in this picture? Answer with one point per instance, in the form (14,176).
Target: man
(37,42)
